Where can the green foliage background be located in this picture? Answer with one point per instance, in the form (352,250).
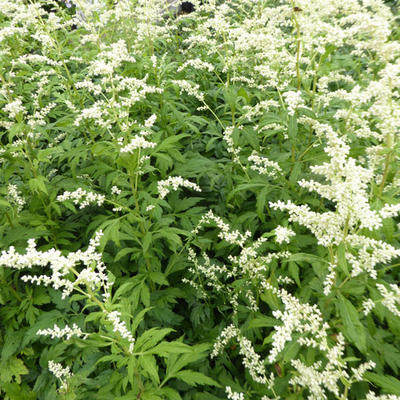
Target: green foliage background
(146,251)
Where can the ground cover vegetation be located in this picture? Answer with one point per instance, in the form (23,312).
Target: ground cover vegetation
(199,206)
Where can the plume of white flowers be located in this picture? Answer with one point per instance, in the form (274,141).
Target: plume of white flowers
(138,142)
(390,297)
(283,234)
(93,274)
(63,374)
(82,197)
(347,186)
(164,187)
(263,165)
(66,332)
(14,197)
(120,327)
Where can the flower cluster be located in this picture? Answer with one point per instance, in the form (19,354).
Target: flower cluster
(233,395)
(138,142)
(283,234)
(120,327)
(263,165)
(235,151)
(93,275)
(66,332)
(14,108)
(164,186)
(231,236)
(196,63)
(82,197)
(293,101)
(373,396)
(63,374)
(192,89)
(391,298)
(15,197)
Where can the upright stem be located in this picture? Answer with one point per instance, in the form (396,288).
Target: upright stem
(389,145)
(298,48)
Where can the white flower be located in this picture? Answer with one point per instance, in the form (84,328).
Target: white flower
(15,198)
(283,234)
(93,275)
(115,190)
(233,395)
(164,186)
(82,197)
(67,332)
(390,210)
(120,327)
(150,121)
(235,151)
(368,305)
(293,101)
(14,108)
(373,396)
(263,165)
(138,142)
(330,279)
(362,369)
(193,89)
(196,63)
(231,236)
(391,298)
(63,374)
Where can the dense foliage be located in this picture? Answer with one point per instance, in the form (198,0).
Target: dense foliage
(199,206)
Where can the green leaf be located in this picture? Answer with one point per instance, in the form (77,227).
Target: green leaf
(166,348)
(263,322)
(244,187)
(147,239)
(38,184)
(12,368)
(194,378)
(310,258)
(294,272)
(171,394)
(138,319)
(145,294)
(388,383)
(16,391)
(158,277)
(292,127)
(261,202)
(352,327)
(149,365)
(150,338)
(342,262)
(169,141)
(4,203)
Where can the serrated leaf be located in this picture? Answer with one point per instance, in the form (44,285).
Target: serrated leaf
(342,262)
(388,383)
(310,258)
(149,365)
(12,368)
(194,378)
(147,239)
(150,338)
(166,348)
(158,277)
(38,184)
(263,322)
(171,394)
(294,272)
(352,327)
